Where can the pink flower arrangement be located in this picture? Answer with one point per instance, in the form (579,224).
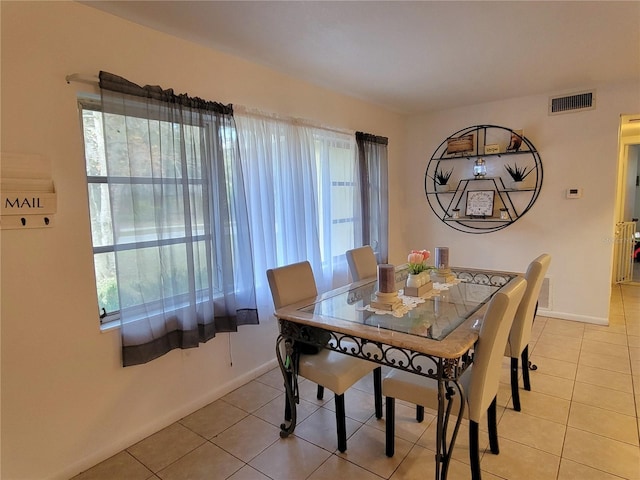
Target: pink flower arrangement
(417,260)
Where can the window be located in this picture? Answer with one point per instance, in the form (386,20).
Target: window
(302,185)
(181,221)
(303,190)
(168,217)
(100,211)
(336,162)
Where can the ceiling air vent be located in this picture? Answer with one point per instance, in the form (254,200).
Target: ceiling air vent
(572,103)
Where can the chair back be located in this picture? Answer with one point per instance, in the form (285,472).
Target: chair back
(291,283)
(489,349)
(523,321)
(362,263)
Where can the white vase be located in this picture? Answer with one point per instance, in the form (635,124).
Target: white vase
(442,188)
(516,185)
(413,280)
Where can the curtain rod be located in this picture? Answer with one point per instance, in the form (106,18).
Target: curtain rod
(94,80)
(242,109)
(82,78)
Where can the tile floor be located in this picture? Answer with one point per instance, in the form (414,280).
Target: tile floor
(580,421)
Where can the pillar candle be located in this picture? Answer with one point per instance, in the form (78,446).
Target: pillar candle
(386,278)
(442,257)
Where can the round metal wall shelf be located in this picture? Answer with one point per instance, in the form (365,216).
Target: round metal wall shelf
(483,199)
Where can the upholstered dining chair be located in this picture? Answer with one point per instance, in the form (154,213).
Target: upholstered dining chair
(336,371)
(362,263)
(479,382)
(518,344)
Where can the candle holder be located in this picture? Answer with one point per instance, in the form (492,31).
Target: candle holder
(442,273)
(441,258)
(386,298)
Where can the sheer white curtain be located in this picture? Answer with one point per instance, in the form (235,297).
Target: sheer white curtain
(302,192)
(179,219)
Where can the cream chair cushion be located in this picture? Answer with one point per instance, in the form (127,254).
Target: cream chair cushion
(333,370)
(520,334)
(362,263)
(291,284)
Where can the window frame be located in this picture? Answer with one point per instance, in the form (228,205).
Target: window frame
(146,310)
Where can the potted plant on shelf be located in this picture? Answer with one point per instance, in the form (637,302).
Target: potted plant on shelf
(518,174)
(442,179)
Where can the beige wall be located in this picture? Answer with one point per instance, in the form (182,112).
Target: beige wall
(66,401)
(577,150)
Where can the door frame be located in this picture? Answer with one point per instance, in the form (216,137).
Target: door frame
(628,135)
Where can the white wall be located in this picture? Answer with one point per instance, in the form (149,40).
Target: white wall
(66,401)
(577,150)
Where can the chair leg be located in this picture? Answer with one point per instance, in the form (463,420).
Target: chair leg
(515,394)
(341,422)
(493,426)
(377,391)
(320,392)
(419,413)
(530,365)
(390,426)
(474,452)
(525,368)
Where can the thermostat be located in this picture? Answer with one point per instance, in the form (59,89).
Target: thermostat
(574,193)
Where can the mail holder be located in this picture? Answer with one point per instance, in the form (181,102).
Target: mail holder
(27,208)
(28,195)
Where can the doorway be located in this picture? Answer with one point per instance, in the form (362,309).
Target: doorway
(628,198)
(634,159)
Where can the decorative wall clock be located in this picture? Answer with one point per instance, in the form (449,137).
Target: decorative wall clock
(480,203)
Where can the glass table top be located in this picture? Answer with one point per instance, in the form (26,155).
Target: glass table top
(435,318)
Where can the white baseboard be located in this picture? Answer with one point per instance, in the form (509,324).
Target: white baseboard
(572,317)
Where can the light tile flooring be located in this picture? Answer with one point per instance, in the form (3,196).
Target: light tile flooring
(580,421)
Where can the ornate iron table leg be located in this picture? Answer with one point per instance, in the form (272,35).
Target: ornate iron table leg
(440,428)
(448,448)
(444,449)
(289,374)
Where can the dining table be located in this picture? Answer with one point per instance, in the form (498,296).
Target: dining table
(431,335)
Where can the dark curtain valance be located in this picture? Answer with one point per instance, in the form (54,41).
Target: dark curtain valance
(374,195)
(109,81)
(368,137)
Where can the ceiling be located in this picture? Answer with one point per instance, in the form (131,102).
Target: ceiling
(415,56)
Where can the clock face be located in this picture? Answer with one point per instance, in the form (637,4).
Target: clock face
(480,203)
